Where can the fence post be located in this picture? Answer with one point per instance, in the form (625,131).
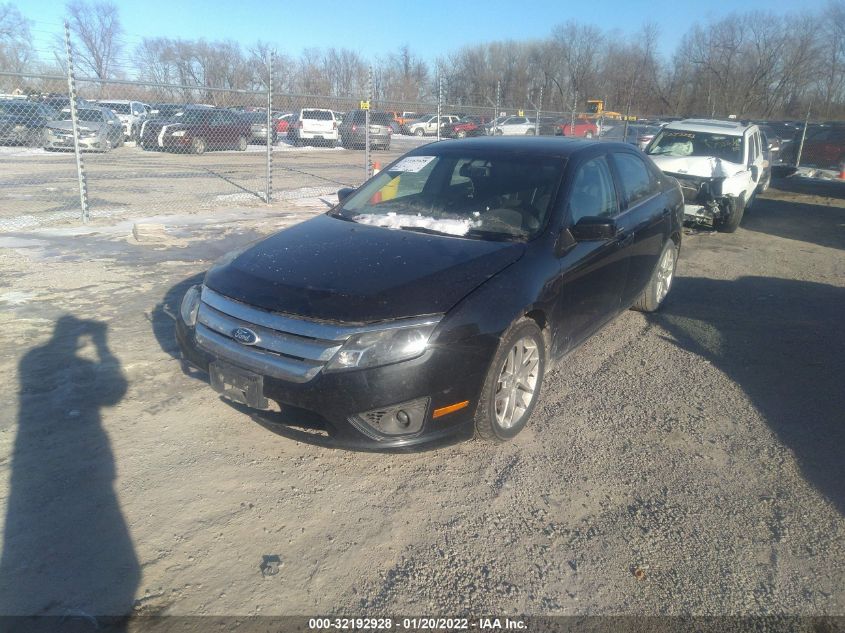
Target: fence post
(803,136)
(368,165)
(80,166)
(439,100)
(269,139)
(539,109)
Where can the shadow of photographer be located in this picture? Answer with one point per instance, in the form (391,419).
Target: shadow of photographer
(67,551)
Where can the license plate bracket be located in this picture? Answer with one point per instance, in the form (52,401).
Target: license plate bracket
(238,385)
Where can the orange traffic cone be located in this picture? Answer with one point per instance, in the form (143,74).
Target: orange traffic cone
(376,168)
(842,171)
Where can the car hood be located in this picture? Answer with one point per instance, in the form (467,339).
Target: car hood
(334,270)
(84,126)
(701,166)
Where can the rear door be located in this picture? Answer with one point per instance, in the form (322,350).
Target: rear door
(644,222)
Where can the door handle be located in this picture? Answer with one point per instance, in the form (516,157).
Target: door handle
(625,240)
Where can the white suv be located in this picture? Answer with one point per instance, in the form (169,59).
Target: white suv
(428,125)
(132,115)
(515,126)
(315,125)
(720,165)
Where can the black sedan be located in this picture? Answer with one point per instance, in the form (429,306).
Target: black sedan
(23,122)
(430,302)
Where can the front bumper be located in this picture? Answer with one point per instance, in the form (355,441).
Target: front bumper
(446,374)
(66,142)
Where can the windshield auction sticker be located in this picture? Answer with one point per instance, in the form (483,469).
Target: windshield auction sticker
(412,164)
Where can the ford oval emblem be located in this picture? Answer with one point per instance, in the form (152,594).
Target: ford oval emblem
(244,336)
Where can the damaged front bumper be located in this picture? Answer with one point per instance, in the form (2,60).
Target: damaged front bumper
(703,199)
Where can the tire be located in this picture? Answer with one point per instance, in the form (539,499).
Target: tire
(661,280)
(198,146)
(588,134)
(731,223)
(491,416)
(243,143)
(331,144)
(419,132)
(529,132)
(461,134)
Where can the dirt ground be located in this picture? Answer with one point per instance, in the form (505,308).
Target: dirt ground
(688,462)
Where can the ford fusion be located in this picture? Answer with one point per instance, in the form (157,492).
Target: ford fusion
(430,302)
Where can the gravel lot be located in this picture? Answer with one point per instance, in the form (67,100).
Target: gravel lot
(688,462)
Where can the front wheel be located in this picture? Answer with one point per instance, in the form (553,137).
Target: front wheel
(736,207)
(661,280)
(198,146)
(419,132)
(513,382)
(461,134)
(588,134)
(529,132)
(243,142)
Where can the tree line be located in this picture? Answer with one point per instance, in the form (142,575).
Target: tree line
(752,64)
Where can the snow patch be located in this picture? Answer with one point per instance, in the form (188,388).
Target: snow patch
(396,221)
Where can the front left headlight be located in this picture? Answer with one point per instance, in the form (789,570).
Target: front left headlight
(383,347)
(190,306)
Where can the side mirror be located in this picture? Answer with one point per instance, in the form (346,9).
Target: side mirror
(755,172)
(344,193)
(593,228)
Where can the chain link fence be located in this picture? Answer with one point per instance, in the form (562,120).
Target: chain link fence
(137,149)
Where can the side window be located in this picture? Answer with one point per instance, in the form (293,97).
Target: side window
(634,176)
(593,193)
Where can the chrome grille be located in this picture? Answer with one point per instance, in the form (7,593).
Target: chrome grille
(285,347)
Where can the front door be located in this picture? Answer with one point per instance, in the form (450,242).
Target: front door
(593,273)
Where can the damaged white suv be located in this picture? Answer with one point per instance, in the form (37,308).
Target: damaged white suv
(720,165)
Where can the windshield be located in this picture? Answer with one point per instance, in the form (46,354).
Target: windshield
(480,197)
(257,117)
(117,108)
(685,143)
(82,115)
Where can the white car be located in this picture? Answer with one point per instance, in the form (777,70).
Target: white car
(315,125)
(515,126)
(428,125)
(132,115)
(720,166)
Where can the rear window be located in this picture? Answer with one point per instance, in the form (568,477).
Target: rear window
(117,108)
(319,115)
(380,118)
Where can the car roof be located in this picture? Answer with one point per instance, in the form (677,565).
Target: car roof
(736,128)
(559,146)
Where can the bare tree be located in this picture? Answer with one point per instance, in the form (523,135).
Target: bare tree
(96,30)
(15,41)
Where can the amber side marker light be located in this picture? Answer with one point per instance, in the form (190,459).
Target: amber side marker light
(450,409)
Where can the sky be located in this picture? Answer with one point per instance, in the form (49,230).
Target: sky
(431,28)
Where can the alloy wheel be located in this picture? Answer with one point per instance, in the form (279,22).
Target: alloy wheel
(665,272)
(517,385)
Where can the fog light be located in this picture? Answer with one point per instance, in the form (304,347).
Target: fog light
(401,419)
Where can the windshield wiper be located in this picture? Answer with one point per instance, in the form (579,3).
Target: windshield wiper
(423,229)
(495,235)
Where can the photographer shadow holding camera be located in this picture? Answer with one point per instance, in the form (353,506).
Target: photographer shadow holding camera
(66,548)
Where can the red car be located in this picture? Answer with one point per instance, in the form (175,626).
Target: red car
(583,127)
(468,126)
(824,148)
(283,121)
